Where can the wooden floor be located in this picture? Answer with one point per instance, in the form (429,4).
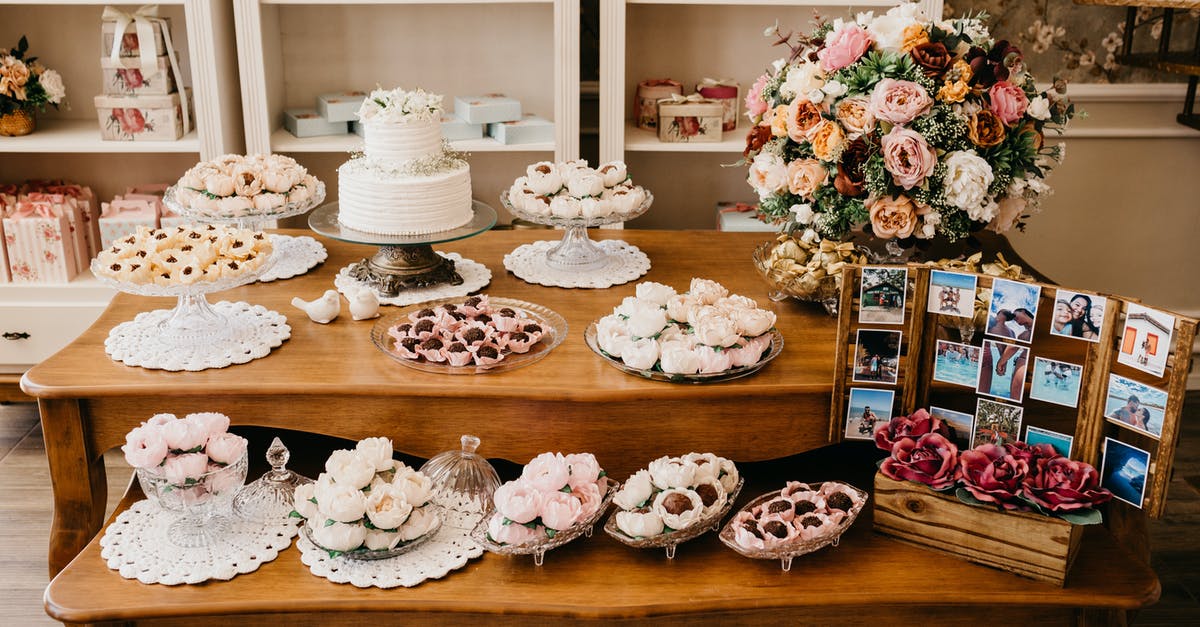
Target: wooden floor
(25,510)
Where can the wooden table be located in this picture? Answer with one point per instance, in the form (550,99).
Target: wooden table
(332,380)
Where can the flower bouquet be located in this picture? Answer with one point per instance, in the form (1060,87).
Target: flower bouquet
(1045,497)
(673,500)
(367,505)
(191,465)
(25,86)
(557,499)
(902,127)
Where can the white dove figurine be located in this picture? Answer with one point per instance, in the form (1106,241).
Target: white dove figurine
(324,309)
(364,305)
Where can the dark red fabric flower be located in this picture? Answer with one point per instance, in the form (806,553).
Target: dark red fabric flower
(992,475)
(1062,485)
(914,426)
(930,460)
(1031,453)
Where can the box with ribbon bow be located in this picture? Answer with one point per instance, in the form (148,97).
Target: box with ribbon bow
(728,93)
(39,245)
(68,207)
(689,119)
(141,75)
(122,217)
(645,100)
(89,209)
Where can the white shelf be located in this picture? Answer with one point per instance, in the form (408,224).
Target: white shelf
(283,141)
(409,2)
(83,136)
(807,3)
(83,288)
(86,2)
(639,139)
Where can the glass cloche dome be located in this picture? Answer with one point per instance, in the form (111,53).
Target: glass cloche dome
(463,480)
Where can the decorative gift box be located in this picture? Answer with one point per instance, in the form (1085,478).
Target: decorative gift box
(62,205)
(142,29)
(741,217)
(728,93)
(142,118)
(121,218)
(645,100)
(530,129)
(309,123)
(38,243)
(691,119)
(125,76)
(455,128)
(88,208)
(487,108)
(340,107)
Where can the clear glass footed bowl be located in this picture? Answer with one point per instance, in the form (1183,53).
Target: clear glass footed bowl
(656,374)
(184,289)
(579,221)
(669,541)
(203,502)
(463,476)
(538,548)
(287,210)
(826,290)
(363,553)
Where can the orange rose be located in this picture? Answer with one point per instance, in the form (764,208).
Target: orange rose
(802,116)
(828,139)
(958,82)
(805,176)
(779,124)
(1038,137)
(855,114)
(985,129)
(758,136)
(914,35)
(893,216)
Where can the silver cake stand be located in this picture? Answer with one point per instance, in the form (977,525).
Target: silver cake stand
(404,262)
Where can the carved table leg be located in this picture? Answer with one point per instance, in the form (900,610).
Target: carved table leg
(80,491)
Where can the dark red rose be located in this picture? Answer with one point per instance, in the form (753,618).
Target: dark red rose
(994,65)
(932,58)
(1063,485)
(994,476)
(1031,454)
(914,426)
(688,126)
(930,460)
(758,137)
(850,180)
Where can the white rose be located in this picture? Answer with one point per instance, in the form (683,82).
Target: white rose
(612,335)
(418,524)
(416,486)
(641,353)
(680,306)
(584,183)
(803,213)
(717,330)
(802,78)
(380,540)
(350,469)
(323,488)
(343,504)
(1039,108)
(614,173)
(338,536)
(655,293)
(888,30)
(635,491)
(565,207)
(637,525)
(706,291)
(966,182)
(834,90)
(677,360)
(387,507)
(682,519)
(52,82)
(728,475)
(377,452)
(646,320)
(671,472)
(303,498)
(543,178)
(708,466)
(754,322)
(768,174)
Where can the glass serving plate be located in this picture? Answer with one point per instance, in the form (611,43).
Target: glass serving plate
(180,289)
(249,218)
(203,503)
(380,554)
(589,336)
(669,541)
(554,325)
(827,291)
(576,251)
(538,549)
(784,553)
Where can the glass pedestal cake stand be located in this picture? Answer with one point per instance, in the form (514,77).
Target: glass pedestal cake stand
(293,255)
(577,261)
(195,335)
(407,270)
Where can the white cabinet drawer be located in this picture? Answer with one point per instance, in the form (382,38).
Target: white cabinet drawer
(48,328)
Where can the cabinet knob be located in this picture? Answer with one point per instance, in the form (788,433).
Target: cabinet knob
(16,335)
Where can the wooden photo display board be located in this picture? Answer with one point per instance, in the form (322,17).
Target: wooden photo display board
(1101,378)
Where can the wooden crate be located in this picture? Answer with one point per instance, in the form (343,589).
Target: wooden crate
(1027,544)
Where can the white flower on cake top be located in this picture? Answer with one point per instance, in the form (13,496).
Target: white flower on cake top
(573,190)
(232,186)
(399,105)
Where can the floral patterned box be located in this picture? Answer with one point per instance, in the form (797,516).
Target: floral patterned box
(487,108)
(122,217)
(728,93)
(88,208)
(691,121)
(141,118)
(41,203)
(124,76)
(645,101)
(530,129)
(130,45)
(39,247)
(340,107)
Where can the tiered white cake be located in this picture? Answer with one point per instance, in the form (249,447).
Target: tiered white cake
(406,183)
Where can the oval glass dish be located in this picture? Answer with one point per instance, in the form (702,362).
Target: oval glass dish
(380,554)
(669,541)
(589,336)
(785,552)
(538,549)
(554,325)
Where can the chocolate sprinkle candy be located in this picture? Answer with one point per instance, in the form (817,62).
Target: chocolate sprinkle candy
(187,271)
(141,253)
(171,259)
(450,307)
(473,301)
(457,347)
(457,315)
(810,521)
(131,240)
(233,265)
(489,352)
(259,236)
(410,343)
(484,318)
(404,328)
(195,235)
(519,336)
(424,325)
(778,506)
(533,328)
(777,528)
(676,503)
(840,500)
(432,343)
(426,313)
(752,527)
(507,311)
(805,507)
(474,334)
(708,494)
(116,267)
(134,266)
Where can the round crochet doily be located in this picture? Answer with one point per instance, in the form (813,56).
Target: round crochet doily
(136,545)
(475,276)
(246,332)
(625,263)
(293,256)
(449,550)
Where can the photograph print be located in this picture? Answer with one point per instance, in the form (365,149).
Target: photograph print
(1002,370)
(1078,315)
(962,425)
(1060,441)
(996,423)
(1123,471)
(881,299)
(876,356)
(1135,405)
(867,410)
(1056,382)
(1013,310)
(951,294)
(1146,339)
(957,363)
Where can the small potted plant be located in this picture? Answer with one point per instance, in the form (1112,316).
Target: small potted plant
(25,85)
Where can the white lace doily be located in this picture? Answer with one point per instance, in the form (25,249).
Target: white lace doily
(475,276)
(247,332)
(625,263)
(293,256)
(449,550)
(136,545)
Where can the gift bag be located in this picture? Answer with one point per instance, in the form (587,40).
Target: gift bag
(38,243)
(87,206)
(121,218)
(62,205)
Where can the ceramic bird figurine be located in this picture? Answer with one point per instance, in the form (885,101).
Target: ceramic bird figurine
(324,309)
(364,305)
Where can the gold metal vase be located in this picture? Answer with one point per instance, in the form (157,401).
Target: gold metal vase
(17,123)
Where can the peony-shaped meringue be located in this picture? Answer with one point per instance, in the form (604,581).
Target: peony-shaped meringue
(679,360)
(350,469)
(304,501)
(646,319)
(415,485)
(671,472)
(561,510)
(338,536)
(654,293)
(518,501)
(512,533)
(679,508)
(343,503)
(418,524)
(377,452)
(641,353)
(639,524)
(613,173)
(543,178)
(547,472)
(387,507)
(636,490)
(381,540)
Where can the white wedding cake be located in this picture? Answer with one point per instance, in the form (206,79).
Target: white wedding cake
(406,182)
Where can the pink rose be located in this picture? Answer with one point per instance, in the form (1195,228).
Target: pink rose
(1062,485)
(899,102)
(222,479)
(144,447)
(843,47)
(992,475)
(518,501)
(180,468)
(160,420)
(907,156)
(755,105)
(131,77)
(1031,454)
(930,460)
(184,435)
(913,426)
(212,422)
(894,216)
(1008,102)
(1010,211)
(547,472)
(590,496)
(513,533)
(561,510)
(225,448)
(583,469)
